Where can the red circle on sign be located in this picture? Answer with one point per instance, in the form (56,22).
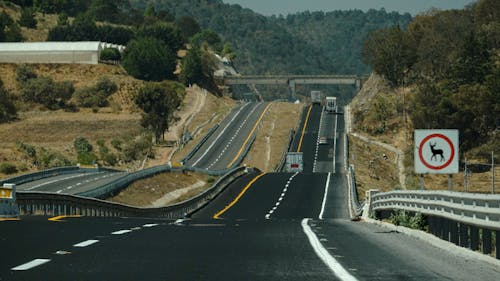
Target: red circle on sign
(425,140)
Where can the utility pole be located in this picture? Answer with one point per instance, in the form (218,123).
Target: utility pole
(493,172)
(465,174)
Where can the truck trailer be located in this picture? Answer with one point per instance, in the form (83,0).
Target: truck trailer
(331,105)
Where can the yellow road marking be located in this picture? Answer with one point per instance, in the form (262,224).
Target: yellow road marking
(216,216)
(10,219)
(304,129)
(249,136)
(59,218)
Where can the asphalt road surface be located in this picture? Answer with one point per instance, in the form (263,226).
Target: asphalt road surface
(276,226)
(227,142)
(71,183)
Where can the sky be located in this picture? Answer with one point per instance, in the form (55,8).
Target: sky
(276,7)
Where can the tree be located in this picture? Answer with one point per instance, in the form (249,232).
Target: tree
(168,33)
(159,102)
(192,68)
(27,18)
(188,26)
(207,36)
(45,91)
(149,59)
(7,108)
(389,52)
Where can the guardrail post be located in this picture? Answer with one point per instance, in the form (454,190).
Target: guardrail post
(497,244)
(486,241)
(453,232)
(474,238)
(464,237)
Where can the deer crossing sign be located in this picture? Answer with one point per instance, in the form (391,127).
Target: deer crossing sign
(436,151)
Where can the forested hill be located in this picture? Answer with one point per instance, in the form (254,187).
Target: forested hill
(304,43)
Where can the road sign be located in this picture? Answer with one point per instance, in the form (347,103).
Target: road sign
(436,151)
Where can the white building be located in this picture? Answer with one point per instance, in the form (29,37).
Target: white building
(85,52)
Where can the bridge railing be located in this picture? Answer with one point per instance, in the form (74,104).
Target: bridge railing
(39,203)
(47,174)
(458,217)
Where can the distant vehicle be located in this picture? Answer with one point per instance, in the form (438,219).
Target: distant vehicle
(316,97)
(323,140)
(331,104)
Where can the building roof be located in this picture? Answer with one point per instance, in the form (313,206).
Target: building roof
(50,46)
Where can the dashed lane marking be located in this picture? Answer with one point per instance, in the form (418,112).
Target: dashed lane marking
(234,136)
(220,134)
(337,269)
(150,225)
(85,243)
(120,232)
(249,136)
(282,196)
(30,265)
(221,212)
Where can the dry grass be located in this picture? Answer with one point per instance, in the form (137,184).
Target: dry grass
(273,136)
(144,192)
(399,136)
(372,169)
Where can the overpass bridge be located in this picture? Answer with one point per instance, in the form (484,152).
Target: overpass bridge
(292,80)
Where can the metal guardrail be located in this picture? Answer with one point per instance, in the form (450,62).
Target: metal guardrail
(46,174)
(351,181)
(64,204)
(203,140)
(480,210)
(465,219)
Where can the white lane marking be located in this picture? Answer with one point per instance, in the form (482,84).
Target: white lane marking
(53,181)
(85,243)
(324,197)
(119,232)
(150,225)
(235,134)
(335,142)
(220,134)
(31,264)
(317,139)
(268,215)
(337,269)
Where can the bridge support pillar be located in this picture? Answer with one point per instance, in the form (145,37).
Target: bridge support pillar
(291,84)
(486,241)
(358,85)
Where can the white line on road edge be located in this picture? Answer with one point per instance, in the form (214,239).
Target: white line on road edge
(324,255)
(31,264)
(220,134)
(335,143)
(85,243)
(324,197)
(119,232)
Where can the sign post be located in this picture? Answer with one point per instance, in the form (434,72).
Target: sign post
(436,152)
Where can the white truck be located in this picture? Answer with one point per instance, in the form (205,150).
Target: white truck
(316,97)
(331,104)
(294,162)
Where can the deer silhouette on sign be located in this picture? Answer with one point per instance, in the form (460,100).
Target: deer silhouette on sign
(436,152)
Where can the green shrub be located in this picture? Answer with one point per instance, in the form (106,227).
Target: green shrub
(117,144)
(86,158)
(81,144)
(7,168)
(97,95)
(110,54)
(404,218)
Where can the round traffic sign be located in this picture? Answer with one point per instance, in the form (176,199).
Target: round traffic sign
(436,152)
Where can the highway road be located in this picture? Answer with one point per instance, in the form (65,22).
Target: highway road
(73,183)
(274,226)
(224,146)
